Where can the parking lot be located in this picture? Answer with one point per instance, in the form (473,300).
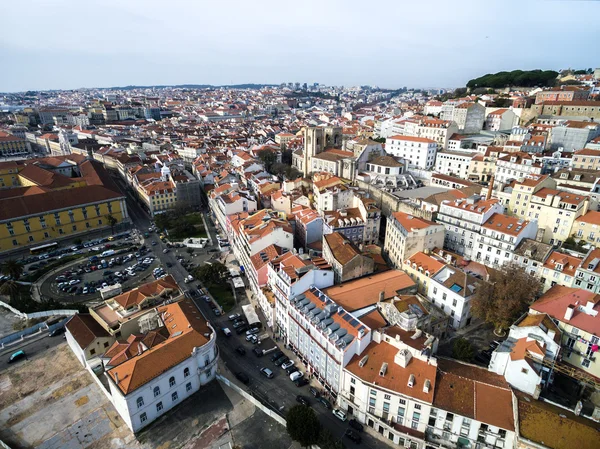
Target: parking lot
(84,279)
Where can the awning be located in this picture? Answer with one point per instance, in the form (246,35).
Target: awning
(250,314)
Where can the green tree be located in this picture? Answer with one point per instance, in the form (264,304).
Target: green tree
(12,268)
(212,273)
(268,158)
(327,440)
(505,297)
(303,425)
(462,349)
(112,221)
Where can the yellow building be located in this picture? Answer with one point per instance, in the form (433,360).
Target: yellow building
(536,198)
(9,174)
(421,268)
(587,227)
(576,313)
(41,210)
(11,145)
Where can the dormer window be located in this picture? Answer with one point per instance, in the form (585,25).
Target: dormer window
(559,267)
(564,176)
(577,178)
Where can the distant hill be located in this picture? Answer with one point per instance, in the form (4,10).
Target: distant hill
(192,86)
(521,78)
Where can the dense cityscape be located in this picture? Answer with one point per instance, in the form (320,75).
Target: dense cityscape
(288,265)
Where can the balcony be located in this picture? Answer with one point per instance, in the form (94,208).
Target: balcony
(439,441)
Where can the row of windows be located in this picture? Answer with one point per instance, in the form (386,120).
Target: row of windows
(156,391)
(159,405)
(46,234)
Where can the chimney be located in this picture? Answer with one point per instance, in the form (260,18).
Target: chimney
(117,378)
(569,312)
(381,296)
(490,188)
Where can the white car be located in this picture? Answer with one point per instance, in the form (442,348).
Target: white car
(287,364)
(295,376)
(339,414)
(74,282)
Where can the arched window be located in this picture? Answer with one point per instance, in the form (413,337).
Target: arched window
(172,381)
(186,372)
(156,391)
(140,402)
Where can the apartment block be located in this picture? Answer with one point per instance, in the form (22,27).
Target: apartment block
(418,152)
(463,219)
(406,235)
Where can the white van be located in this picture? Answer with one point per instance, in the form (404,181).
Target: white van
(295,376)
(227,332)
(107,253)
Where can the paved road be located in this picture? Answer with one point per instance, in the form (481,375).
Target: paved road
(31,346)
(279,391)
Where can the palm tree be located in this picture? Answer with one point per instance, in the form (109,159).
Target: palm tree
(12,268)
(10,288)
(112,221)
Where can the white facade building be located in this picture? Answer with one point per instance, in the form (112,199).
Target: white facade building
(452,290)
(419,152)
(453,163)
(418,402)
(500,236)
(463,219)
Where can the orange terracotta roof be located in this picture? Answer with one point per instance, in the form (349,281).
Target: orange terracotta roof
(556,300)
(396,377)
(412,139)
(187,330)
(410,222)
(474,392)
(365,291)
(425,262)
(505,224)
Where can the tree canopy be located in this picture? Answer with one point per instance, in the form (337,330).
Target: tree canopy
(303,425)
(521,78)
(212,273)
(462,350)
(506,296)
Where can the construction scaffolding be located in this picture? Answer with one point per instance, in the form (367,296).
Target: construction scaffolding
(567,370)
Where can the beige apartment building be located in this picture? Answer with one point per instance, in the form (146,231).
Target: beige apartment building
(407,234)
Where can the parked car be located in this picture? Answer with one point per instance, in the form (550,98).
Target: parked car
(292,369)
(241,350)
(301,382)
(242,377)
(302,400)
(267,373)
(281,360)
(325,403)
(276,355)
(234,317)
(216,311)
(296,375)
(258,352)
(353,436)
(356,425)
(239,324)
(314,392)
(253,330)
(340,414)
(252,338)
(287,364)
(241,329)
(227,332)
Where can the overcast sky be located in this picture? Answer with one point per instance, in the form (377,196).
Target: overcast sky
(65,44)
